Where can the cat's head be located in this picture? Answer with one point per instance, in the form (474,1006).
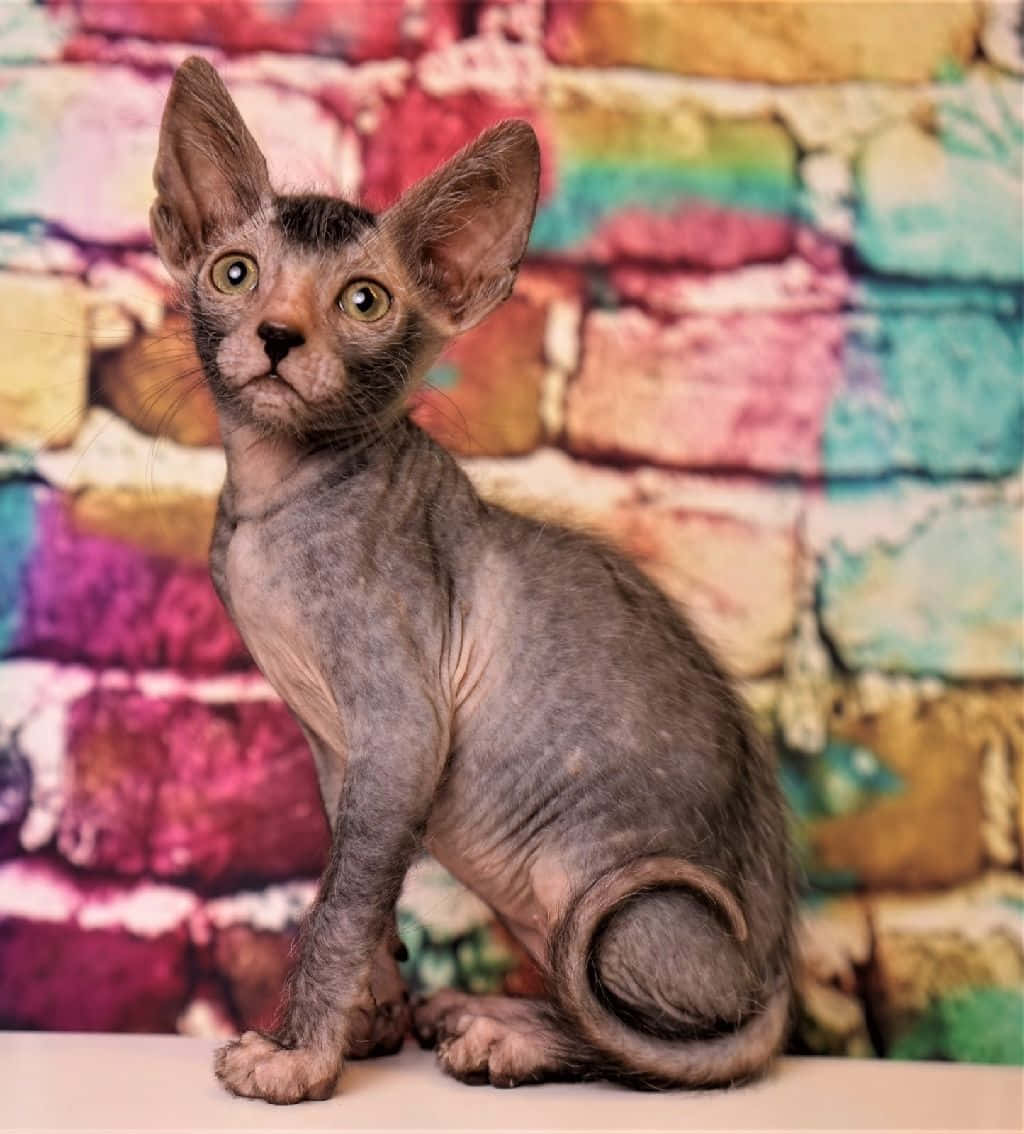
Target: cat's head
(310,313)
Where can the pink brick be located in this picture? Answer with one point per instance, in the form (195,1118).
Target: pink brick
(224,795)
(744,391)
(422,132)
(61,977)
(698,234)
(87,598)
(353,31)
(793,286)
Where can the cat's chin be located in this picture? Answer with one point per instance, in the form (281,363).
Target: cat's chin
(272,401)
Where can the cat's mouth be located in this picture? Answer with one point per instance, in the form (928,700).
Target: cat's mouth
(271,378)
(272,388)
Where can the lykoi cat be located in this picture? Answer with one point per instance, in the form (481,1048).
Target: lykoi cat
(511,696)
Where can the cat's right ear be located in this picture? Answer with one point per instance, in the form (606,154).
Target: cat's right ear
(210,175)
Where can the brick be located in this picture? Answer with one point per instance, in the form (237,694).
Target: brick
(34,696)
(489,64)
(351,31)
(422,132)
(484,397)
(219,794)
(248,937)
(727,553)
(44,377)
(879,544)
(899,789)
(156,383)
(928,391)
(838,118)
(18,507)
(72,596)
(779,43)
(138,285)
(178,525)
(744,391)
(254,966)
(65,979)
(658,179)
(30,32)
(109,453)
(929,947)
(795,286)
(108,117)
(89,957)
(834,943)
(945,202)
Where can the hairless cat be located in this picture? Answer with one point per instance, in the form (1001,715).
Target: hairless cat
(514,697)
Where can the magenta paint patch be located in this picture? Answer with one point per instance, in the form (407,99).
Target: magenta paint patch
(699,234)
(354,32)
(65,978)
(424,132)
(86,598)
(221,795)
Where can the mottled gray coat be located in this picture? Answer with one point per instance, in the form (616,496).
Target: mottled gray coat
(512,696)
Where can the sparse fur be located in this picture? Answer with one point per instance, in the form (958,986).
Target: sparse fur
(512,696)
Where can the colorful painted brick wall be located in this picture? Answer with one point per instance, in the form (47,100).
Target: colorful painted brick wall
(768,339)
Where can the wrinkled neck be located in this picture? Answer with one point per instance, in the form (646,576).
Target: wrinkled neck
(266,471)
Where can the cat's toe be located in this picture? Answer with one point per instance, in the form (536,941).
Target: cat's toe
(482,1050)
(430,1013)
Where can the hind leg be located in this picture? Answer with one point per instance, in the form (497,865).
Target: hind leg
(496,1039)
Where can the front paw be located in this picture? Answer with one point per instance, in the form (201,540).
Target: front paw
(260,1068)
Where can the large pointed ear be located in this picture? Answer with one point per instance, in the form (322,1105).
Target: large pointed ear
(464,228)
(209,172)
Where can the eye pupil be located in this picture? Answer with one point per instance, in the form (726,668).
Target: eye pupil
(363,299)
(237,272)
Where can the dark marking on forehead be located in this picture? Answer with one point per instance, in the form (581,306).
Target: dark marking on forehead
(321,223)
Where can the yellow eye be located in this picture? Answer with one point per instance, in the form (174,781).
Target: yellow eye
(365,301)
(235,274)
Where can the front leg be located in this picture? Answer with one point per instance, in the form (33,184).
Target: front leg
(393,769)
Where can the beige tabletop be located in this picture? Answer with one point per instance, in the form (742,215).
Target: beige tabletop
(147,1083)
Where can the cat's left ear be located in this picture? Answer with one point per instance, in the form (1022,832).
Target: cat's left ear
(209,174)
(464,228)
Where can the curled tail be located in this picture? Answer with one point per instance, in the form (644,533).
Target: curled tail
(713,1061)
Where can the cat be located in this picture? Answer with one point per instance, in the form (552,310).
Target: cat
(514,697)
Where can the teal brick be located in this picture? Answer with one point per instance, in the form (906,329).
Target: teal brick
(938,392)
(944,598)
(17,540)
(949,206)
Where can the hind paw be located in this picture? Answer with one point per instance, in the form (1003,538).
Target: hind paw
(491,1039)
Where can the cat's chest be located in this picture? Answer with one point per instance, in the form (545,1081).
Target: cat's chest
(263,592)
